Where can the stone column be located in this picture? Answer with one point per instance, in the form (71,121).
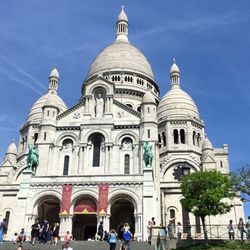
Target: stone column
(65,225)
(106,223)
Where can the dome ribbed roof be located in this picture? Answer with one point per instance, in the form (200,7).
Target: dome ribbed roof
(177,103)
(206,144)
(122,56)
(36,112)
(54,73)
(12,149)
(148,97)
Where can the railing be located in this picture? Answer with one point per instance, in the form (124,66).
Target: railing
(213,232)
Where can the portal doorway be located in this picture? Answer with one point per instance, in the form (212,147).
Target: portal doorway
(49,208)
(84,226)
(84,220)
(122,211)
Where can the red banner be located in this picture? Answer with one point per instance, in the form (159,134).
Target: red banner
(103,199)
(66,198)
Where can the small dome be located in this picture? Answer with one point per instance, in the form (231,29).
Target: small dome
(122,16)
(174,69)
(12,149)
(36,112)
(206,144)
(121,56)
(177,103)
(54,73)
(148,97)
(52,100)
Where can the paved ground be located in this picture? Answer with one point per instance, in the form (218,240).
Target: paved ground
(78,245)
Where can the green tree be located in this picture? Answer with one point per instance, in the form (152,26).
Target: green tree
(203,193)
(241,180)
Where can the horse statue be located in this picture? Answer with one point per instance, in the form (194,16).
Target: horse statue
(148,154)
(32,159)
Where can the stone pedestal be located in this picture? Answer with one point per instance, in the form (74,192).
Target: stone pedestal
(65,225)
(148,202)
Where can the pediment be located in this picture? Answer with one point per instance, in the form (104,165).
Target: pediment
(208,159)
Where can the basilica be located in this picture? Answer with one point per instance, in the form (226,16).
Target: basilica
(116,156)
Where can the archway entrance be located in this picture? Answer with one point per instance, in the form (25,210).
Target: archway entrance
(49,208)
(122,211)
(84,220)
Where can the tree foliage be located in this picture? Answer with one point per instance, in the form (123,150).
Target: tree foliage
(241,180)
(203,193)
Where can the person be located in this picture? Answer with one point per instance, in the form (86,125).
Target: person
(99,106)
(248,227)
(22,236)
(66,246)
(241,227)
(20,247)
(45,229)
(127,235)
(35,232)
(3,228)
(67,237)
(112,239)
(179,230)
(100,231)
(170,230)
(106,236)
(153,221)
(14,238)
(230,229)
(55,234)
(149,226)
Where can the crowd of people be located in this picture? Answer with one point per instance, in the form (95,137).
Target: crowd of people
(43,232)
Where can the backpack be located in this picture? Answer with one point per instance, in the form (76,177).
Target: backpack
(127,236)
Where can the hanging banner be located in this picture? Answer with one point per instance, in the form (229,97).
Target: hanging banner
(103,199)
(66,198)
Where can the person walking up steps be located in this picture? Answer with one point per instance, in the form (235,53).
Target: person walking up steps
(126,237)
(112,239)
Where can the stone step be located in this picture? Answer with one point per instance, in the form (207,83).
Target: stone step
(76,245)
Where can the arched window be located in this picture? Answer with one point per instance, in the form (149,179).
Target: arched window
(182,132)
(35,137)
(172,214)
(176,136)
(194,136)
(67,144)
(7,217)
(97,140)
(126,164)
(159,140)
(198,139)
(129,105)
(164,139)
(139,109)
(66,165)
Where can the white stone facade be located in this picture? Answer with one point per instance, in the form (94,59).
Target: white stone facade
(86,145)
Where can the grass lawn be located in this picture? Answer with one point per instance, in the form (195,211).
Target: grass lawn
(230,245)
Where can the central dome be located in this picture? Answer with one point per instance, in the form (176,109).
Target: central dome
(122,56)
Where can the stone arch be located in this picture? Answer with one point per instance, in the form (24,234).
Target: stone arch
(169,164)
(122,209)
(127,194)
(101,86)
(123,134)
(42,195)
(47,206)
(100,131)
(67,135)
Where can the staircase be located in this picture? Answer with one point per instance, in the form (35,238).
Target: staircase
(76,245)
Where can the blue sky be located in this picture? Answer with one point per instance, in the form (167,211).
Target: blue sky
(210,40)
